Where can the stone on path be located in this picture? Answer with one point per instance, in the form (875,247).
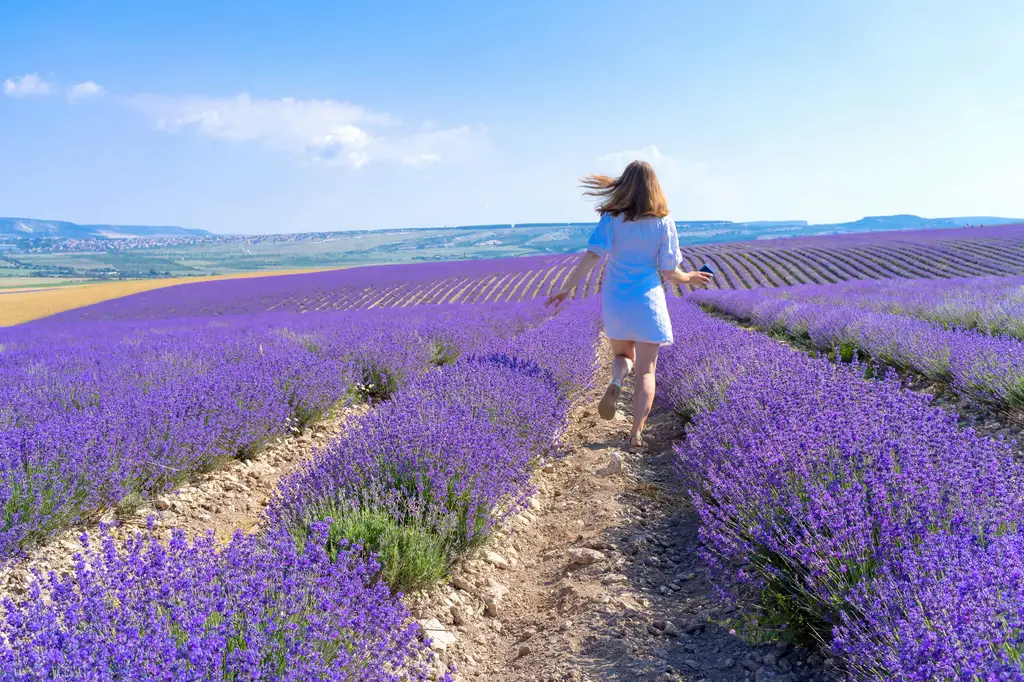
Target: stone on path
(495,559)
(492,597)
(438,635)
(584,556)
(614,466)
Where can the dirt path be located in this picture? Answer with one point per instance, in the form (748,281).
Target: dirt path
(599,580)
(229,498)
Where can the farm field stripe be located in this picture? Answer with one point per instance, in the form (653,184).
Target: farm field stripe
(881,257)
(742,273)
(940,263)
(871,268)
(776,275)
(810,273)
(917,270)
(1010,260)
(838,270)
(786,269)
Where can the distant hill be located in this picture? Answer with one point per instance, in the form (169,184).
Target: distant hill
(34,228)
(913,222)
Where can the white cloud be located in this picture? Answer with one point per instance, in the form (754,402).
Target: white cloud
(84,90)
(29,85)
(691,188)
(328,131)
(668,169)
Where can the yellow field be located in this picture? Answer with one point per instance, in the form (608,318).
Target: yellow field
(31,304)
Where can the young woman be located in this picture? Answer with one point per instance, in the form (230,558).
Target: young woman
(640,240)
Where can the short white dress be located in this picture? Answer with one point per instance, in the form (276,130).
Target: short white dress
(632,293)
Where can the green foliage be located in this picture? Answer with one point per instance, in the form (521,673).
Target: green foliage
(127,505)
(376,384)
(411,556)
(443,352)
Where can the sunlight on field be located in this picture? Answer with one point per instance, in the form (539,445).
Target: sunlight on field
(17,307)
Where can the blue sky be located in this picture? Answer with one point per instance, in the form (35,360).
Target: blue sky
(270,116)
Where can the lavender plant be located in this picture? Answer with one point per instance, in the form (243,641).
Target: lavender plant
(840,501)
(253,610)
(427,475)
(977,365)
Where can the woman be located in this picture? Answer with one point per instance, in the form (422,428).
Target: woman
(640,240)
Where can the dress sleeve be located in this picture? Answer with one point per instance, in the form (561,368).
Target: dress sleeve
(600,241)
(669,257)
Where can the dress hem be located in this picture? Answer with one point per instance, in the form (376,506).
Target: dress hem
(659,342)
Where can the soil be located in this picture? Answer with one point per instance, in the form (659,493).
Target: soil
(600,579)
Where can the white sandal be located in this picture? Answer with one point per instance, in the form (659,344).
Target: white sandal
(639,447)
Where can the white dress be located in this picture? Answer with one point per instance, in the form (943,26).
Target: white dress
(632,294)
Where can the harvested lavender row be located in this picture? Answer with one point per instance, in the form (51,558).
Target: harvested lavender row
(353,288)
(864,517)
(427,475)
(93,413)
(977,365)
(996,250)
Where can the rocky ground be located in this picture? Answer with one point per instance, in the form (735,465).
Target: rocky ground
(599,579)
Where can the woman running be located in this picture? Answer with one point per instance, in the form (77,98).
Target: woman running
(640,239)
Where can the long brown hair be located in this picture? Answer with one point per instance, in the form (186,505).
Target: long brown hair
(634,194)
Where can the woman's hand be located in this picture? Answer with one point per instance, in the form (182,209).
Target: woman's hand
(558,298)
(696,278)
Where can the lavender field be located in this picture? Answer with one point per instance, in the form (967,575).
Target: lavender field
(97,414)
(840,509)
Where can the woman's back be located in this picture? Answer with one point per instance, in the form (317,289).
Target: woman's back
(636,249)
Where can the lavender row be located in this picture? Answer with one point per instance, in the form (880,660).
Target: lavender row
(823,259)
(426,476)
(864,518)
(994,305)
(257,609)
(96,414)
(977,365)
(378,286)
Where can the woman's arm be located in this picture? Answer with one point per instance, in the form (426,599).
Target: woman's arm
(677,276)
(583,266)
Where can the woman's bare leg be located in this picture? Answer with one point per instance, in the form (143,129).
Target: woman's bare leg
(643,386)
(625,353)
(621,364)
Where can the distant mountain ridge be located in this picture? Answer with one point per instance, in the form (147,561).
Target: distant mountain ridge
(62,229)
(691,231)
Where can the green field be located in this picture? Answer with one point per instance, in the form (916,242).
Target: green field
(306,251)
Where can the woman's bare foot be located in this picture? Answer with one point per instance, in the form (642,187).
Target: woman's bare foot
(606,408)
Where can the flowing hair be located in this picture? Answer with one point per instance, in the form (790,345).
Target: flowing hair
(634,194)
